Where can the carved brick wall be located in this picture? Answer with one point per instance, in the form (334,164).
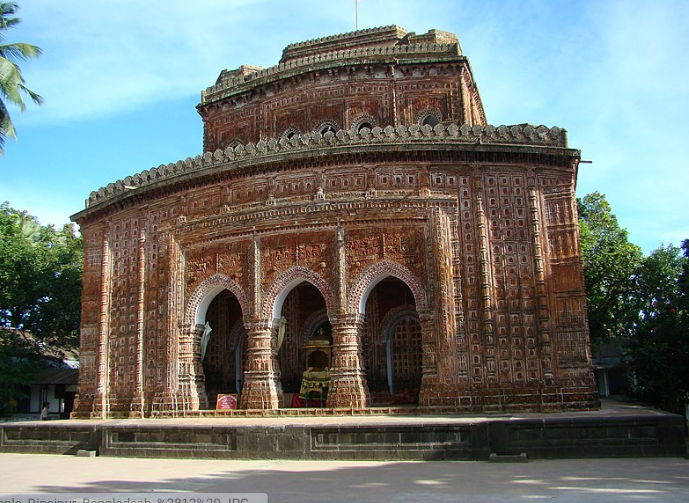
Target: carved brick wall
(457,243)
(394,81)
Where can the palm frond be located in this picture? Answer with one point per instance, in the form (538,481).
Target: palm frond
(20,51)
(10,82)
(12,86)
(6,126)
(36,98)
(7,23)
(8,9)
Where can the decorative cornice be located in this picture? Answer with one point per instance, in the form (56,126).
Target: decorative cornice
(236,82)
(343,36)
(525,135)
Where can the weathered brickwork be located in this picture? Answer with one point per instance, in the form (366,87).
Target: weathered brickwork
(355,193)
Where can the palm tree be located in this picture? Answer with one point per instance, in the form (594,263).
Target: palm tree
(11,81)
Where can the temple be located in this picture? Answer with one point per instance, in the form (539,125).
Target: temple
(355,235)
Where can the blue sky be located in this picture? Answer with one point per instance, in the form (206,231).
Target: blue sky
(121,79)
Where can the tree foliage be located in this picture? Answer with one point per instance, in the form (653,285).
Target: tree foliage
(40,296)
(610,263)
(12,83)
(641,302)
(658,344)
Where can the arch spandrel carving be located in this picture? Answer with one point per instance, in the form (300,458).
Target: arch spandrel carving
(202,262)
(201,297)
(285,282)
(374,274)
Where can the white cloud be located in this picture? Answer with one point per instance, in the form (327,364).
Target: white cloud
(102,58)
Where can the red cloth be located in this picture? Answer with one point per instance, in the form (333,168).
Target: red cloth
(299,402)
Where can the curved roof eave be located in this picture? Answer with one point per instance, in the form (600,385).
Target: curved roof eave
(522,139)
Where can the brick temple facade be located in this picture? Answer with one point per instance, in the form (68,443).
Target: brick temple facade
(352,199)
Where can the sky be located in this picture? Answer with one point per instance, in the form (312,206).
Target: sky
(121,80)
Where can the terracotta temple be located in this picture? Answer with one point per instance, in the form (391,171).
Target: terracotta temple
(354,235)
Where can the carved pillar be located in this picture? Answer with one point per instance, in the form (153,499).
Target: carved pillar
(168,390)
(485,270)
(138,404)
(430,392)
(460,326)
(348,387)
(466,109)
(101,403)
(438,328)
(191,391)
(541,292)
(261,388)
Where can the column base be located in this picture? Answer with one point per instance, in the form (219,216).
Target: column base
(348,391)
(84,407)
(259,392)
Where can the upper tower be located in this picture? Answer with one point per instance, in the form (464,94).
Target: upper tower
(367,78)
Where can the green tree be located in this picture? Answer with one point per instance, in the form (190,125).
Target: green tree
(12,83)
(610,264)
(40,295)
(658,345)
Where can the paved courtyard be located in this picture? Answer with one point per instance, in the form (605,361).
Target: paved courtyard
(604,480)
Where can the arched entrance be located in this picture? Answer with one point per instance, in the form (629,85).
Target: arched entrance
(303,342)
(401,335)
(223,347)
(391,342)
(215,309)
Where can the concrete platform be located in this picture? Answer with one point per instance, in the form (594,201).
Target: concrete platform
(617,430)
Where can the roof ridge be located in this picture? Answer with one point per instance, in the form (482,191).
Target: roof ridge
(344,35)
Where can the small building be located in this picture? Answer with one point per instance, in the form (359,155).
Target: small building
(58,387)
(353,193)
(612,371)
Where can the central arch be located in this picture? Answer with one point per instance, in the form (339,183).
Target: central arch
(297,305)
(286,282)
(376,273)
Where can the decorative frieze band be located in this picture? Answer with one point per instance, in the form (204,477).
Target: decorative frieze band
(262,151)
(230,85)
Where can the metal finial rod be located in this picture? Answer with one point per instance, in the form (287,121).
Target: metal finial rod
(356,8)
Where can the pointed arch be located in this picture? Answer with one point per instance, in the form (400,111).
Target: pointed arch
(237,333)
(411,353)
(285,283)
(363,121)
(429,116)
(393,318)
(290,132)
(326,125)
(203,295)
(376,273)
(311,324)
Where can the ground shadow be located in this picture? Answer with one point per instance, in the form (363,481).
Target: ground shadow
(609,480)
